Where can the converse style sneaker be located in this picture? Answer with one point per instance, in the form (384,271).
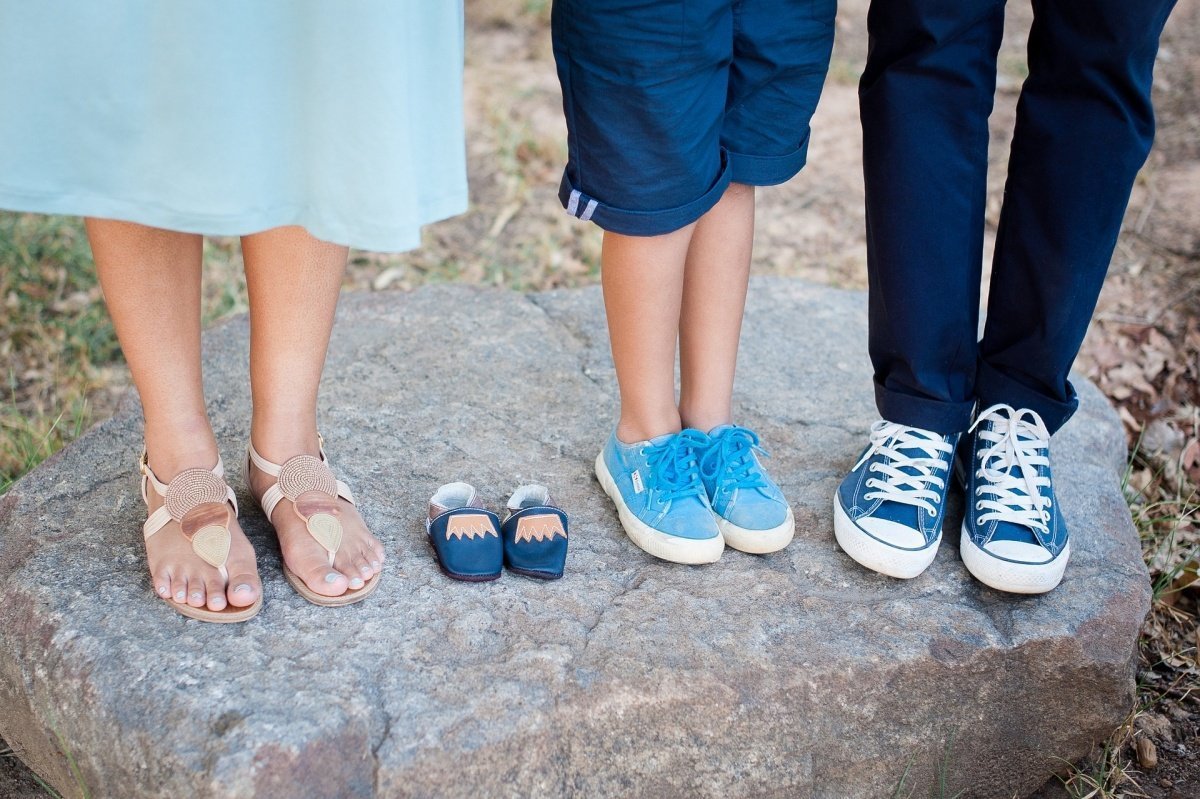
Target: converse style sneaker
(888,512)
(659,496)
(1013,535)
(750,509)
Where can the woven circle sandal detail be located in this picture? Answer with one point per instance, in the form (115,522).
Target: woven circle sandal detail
(315,492)
(204,505)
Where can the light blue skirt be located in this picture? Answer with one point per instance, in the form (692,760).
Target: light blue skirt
(228,117)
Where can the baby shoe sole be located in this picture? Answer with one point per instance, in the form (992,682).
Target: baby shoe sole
(673,548)
(758,542)
(537,575)
(903,564)
(1015,578)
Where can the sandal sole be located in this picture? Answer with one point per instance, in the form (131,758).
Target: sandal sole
(230,615)
(349,598)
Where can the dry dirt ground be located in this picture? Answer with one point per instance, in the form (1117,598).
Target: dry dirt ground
(1143,349)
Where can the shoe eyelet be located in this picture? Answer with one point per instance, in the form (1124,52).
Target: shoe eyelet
(978,506)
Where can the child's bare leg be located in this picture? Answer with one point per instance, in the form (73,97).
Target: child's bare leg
(643,283)
(151,282)
(714,297)
(293,281)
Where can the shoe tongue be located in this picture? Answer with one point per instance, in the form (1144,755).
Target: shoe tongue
(658,441)
(719,429)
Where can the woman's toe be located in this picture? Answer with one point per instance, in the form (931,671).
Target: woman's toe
(214,589)
(322,578)
(243,589)
(196,595)
(162,585)
(363,564)
(179,588)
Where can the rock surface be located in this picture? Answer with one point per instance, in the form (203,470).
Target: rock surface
(797,674)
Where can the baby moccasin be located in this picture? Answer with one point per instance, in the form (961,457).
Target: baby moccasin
(465,535)
(535,534)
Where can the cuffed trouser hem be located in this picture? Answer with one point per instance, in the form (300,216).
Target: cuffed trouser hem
(939,416)
(994,387)
(767,170)
(642,223)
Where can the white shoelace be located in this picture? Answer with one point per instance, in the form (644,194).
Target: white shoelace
(914,487)
(1019,446)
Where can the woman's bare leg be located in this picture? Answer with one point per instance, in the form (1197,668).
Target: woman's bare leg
(151,283)
(293,281)
(714,298)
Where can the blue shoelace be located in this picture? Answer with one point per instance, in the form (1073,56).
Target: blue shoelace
(732,455)
(673,466)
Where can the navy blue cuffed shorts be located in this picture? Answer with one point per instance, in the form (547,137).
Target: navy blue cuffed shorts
(668,101)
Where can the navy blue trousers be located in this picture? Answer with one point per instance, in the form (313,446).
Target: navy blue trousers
(1084,128)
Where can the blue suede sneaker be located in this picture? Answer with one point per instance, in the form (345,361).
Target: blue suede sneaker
(660,497)
(1013,537)
(889,510)
(751,512)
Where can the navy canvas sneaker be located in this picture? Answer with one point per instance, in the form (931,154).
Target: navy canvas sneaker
(751,512)
(1013,537)
(659,496)
(888,511)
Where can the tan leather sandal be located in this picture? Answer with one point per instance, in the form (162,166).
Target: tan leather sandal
(314,492)
(200,501)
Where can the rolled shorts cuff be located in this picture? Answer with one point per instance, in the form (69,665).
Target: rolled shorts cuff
(641,223)
(767,170)
(994,387)
(939,416)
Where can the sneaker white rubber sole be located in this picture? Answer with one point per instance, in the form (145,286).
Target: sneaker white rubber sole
(758,542)
(1015,578)
(876,555)
(674,548)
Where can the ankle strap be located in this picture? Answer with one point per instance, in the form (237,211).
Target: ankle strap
(264,465)
(160,488)
(274,495)
(159,518)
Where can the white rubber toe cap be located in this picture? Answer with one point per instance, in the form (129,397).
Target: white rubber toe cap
(893,533)
(1005,575)
(904,563)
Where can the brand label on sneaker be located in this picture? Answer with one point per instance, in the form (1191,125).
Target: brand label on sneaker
(637,482)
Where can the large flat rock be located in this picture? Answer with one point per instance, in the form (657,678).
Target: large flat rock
(797,674)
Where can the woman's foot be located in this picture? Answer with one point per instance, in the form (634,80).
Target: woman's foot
(179,574)
(357,560)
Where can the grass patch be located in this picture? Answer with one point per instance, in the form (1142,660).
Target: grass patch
(55,339)
(1165,507)
(76,774)
(58,350)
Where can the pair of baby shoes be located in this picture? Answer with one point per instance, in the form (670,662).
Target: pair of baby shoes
(472,543)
